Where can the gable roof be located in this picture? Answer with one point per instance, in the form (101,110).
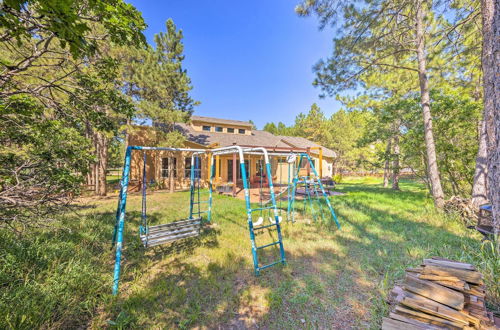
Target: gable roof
(300,142)
(213,120)
(257,138)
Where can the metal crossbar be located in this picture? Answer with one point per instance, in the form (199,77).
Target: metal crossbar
(264,227)
(267,245)
(269,265)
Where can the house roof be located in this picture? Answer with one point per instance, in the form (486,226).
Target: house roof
(257,138)
(300,142)
(221,121)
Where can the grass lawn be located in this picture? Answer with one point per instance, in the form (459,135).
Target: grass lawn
(334,278)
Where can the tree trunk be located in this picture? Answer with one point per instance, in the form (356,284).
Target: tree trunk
(435,181)
(91,173)
(387,161)
(479,188)
(102,163)
(129,122)
(395,164)
(491,82)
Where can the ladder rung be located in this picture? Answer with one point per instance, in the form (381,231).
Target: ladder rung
(263,227)
(262,208)
(200,212)
(201,202)
(267,245)
(272,264)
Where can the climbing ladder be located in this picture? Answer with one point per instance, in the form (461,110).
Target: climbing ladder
(313,186)
(253,227)
(196,205)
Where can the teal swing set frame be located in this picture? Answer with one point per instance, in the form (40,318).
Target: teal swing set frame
(159,234)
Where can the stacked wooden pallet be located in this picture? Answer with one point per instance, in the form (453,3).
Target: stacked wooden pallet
(441,294)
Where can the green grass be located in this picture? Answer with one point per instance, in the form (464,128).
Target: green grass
(112,179)
(60,276)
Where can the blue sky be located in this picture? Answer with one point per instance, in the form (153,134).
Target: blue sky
(247,59)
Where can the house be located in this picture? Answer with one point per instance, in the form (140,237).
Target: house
(208,133)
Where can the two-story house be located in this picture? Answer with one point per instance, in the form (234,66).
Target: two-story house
(207,133)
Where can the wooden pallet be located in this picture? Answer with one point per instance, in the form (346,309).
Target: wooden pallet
(441,294)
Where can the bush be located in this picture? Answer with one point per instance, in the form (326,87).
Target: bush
(43,162)
(337,178)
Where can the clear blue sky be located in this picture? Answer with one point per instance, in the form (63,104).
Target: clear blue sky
(247,59)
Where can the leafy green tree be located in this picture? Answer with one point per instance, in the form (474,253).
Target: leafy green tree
(313,126)
(271,128)
(42,161)
(102,109)
(56,74)
(46,30)
(164,85)
(160,86)
(391,35)
(254,127)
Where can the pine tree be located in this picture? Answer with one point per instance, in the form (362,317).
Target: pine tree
(164,85)
(382,35)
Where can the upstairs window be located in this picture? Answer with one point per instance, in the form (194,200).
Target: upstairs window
(230,130)
(218,129)
(206,128)
(168,165)
(241,131)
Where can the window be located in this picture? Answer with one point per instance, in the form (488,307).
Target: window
(187,168)
(230,130)
(206,128)
(218,129)
(241,131)
(166,167)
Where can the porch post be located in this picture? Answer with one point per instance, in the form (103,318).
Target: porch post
(235,178)
(308,166)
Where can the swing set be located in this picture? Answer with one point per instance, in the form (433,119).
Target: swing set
(156,235)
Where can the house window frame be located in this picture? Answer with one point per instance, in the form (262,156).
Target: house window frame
(166,167)
(206,128)
(230,130)
(219,129)
(242,131)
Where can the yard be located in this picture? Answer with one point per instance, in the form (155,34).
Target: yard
(334,278)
